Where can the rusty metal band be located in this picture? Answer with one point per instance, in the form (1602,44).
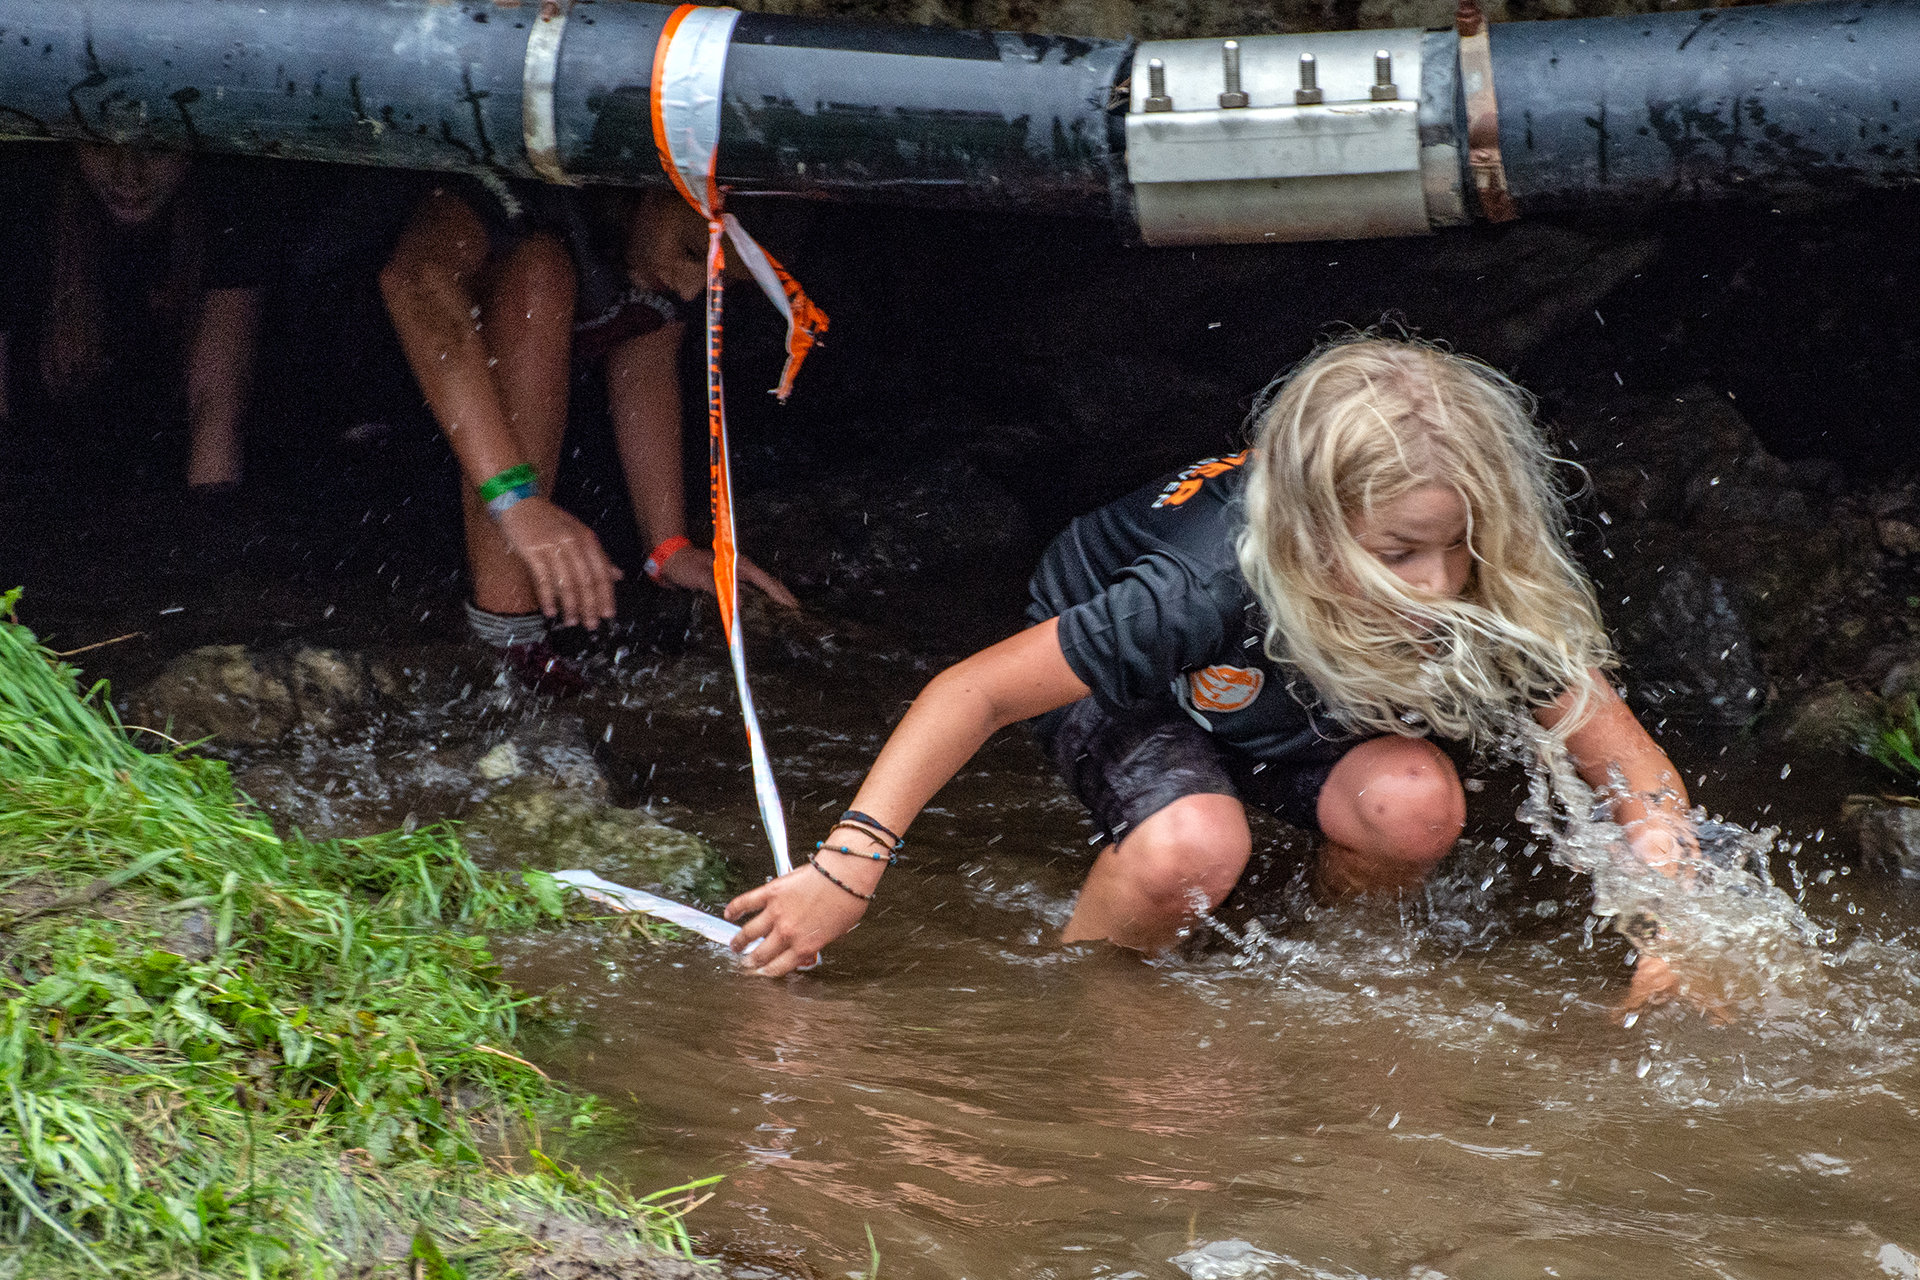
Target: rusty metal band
(541,68)
(1483,116)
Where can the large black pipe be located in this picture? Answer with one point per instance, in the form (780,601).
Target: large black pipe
(837,110)
(1749,103)
(1755,102)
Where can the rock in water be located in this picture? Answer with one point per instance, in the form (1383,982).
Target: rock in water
(240,697)
(1888,828)
(532,823)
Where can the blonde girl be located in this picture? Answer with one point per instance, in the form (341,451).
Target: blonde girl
(1285,627)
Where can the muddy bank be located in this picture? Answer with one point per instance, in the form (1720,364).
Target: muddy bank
(248,1053)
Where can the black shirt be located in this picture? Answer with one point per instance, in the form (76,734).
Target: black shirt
(1155,614)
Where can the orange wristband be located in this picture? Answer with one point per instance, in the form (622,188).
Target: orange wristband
(657,558)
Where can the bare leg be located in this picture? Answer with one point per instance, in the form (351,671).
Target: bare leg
(527,323)
(1141,891)
(1391,809)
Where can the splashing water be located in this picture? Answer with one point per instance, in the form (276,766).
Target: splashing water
(1735,940)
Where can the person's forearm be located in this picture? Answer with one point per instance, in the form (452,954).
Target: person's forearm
(432,314)
(643,393)
(1642,787)
(1616,756)
(220,384)
(950,720)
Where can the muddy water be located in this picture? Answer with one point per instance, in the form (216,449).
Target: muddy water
(1426,1089)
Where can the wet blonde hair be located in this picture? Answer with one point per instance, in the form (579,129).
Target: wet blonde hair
(1359,424)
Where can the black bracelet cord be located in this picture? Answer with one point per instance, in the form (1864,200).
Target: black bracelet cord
(875,827)
(813,860)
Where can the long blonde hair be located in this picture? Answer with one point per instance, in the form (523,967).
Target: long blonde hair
(1362,422)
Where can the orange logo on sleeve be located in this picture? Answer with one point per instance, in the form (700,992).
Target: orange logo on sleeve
(1188,482)
(1225,688)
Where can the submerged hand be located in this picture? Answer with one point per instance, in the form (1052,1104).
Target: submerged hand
(799,914)
(692,569)
(571,573)
(1655,983)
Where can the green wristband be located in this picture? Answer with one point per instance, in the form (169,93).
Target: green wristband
(512,478)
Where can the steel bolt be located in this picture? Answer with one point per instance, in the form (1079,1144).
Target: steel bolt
(1233,96)
(1157,99)
(1308,94)
(1384,90)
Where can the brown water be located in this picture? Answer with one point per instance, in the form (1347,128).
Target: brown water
(1425,1089)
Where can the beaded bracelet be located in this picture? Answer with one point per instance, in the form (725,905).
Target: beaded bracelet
(889,857)
(813,860)
(509,489)
(874,836)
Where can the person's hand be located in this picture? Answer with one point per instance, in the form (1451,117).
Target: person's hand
(571,573)
(691,568)
(1672,850)
(1655,983)
(799,914)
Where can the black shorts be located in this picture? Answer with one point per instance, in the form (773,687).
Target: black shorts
(1125,770)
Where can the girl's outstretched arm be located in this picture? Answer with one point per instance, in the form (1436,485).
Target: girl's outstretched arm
(801,912)
(1621,762)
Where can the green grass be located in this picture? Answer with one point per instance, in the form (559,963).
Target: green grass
(1893,738)
(227,1052)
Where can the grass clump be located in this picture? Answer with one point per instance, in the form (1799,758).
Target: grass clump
(227,1052)
(1893,738)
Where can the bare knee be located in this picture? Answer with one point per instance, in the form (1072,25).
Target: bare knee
(538,273)
(1195,847)
(1400,800)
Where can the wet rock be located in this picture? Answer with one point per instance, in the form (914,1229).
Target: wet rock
(1710,545)
(219,692)
(1690,653)
(530,823)
(241,697)
(1898,537)
(1829,719)
(1888,828)
(501,764)
(426,766)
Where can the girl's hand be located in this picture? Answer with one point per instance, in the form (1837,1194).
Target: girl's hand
(1671,850)
(800,913)
(571,574)
(1655,983)
(692,569)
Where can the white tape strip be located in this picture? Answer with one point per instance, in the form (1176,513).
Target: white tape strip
(621,898)
(692,69)
(542,66)
(762,270)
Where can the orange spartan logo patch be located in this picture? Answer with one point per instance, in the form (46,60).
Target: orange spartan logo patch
(1225,688)
(1188,482)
